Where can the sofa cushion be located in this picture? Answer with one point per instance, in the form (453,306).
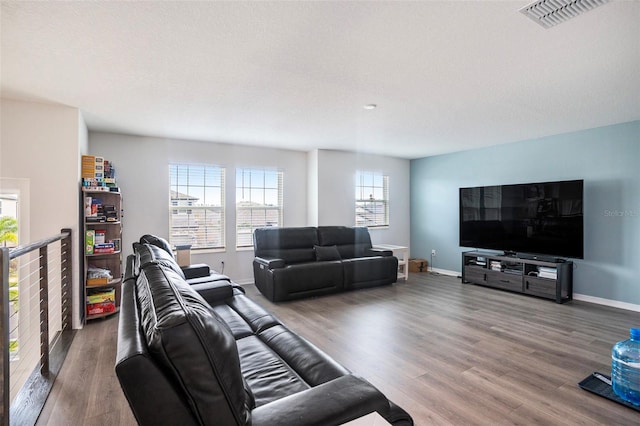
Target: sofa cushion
(150,253)
(305,279)
(214,291)
(327,253)
(313,365)
(142,378)
(369,271)
(157,241)
(238,326)
(194,345)
(351,241)
(267,375)
(293,245)
(253,314)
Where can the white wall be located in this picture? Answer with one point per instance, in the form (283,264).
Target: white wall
(318,189)
(142,173)
(40,144)
(336,192)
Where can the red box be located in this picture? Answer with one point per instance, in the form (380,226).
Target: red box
(101,308)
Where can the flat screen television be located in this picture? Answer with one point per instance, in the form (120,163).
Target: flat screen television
(544,218)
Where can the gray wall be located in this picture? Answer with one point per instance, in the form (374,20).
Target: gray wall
(607,158)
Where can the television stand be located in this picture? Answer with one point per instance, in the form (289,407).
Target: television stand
(520,274)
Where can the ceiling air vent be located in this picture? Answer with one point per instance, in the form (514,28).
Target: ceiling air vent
(553,12)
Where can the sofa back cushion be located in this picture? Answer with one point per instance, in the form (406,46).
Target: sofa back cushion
(157,241)
(351,241)
(150,253)
(150,391)
(194,345)
(293,245)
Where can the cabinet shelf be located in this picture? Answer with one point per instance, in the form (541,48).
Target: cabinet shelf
(109,283)
(107,203)
(521,275)
(106,222)
(95,191)
(103,254)
(96,316)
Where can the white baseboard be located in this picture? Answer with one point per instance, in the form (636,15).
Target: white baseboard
(607,302)
(576,296)
(443,272)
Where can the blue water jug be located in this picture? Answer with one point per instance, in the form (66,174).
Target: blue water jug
(625,368)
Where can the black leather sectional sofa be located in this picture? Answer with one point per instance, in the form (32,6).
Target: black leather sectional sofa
(292,263)
(214,357)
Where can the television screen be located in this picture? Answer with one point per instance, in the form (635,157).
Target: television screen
(536,218)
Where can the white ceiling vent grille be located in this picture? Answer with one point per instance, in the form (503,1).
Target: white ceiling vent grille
(553,12)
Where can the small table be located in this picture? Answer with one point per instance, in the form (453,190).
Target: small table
(402,253)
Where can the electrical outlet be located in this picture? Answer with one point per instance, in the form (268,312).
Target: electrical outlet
(433,253)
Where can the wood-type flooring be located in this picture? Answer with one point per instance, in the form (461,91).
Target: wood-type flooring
(449,353)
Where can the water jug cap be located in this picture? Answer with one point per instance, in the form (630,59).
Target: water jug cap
(635,333)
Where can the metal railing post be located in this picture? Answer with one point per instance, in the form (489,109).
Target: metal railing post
(66,274)
(44,311)
(4,337)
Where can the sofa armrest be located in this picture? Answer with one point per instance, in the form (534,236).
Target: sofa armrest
(378,252)
(214,291)
(269,262)
(196,270)
(338,401)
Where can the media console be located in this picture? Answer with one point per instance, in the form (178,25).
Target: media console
(551,279)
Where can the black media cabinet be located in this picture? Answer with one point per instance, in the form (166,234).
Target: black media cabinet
(551,279)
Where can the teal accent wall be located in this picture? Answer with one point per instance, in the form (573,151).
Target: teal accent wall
(607,158)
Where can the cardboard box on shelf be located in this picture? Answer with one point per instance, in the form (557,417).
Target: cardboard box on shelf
(89,241)
(87,206)
(183,255)
(418,265)
(104,248)
(100,236)
(108,295)
(97,281)
(101,308)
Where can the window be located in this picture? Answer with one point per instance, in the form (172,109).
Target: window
(258,202)
(372,199)
(196,205)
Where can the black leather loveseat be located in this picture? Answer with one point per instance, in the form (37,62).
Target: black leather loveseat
(214,357)
(292,263)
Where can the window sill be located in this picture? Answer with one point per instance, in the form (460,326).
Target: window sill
(208,250)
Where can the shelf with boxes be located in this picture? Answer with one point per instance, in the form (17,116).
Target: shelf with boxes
(548,278)
(102,237)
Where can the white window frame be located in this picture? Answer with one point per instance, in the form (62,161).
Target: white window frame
(207,181)
(371,199)
(257,186)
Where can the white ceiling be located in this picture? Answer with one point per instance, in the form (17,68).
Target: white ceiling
(446,75)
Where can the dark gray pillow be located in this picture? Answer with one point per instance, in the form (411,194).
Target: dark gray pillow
(327,253)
